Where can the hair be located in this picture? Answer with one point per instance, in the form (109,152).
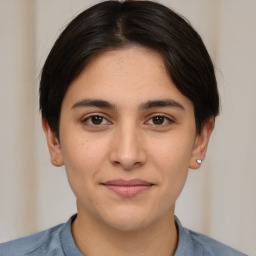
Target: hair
(114,25)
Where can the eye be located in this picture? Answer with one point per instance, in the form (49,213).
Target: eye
(159,120)
(95,120)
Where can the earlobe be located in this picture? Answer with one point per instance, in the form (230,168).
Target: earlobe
(201,144)
(53,145)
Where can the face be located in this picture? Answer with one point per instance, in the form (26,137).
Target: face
(127,139)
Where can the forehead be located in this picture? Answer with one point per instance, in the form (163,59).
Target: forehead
(133,74)
(137,58)
(131,62)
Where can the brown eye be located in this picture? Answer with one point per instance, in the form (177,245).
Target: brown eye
(95,120)
(158,120)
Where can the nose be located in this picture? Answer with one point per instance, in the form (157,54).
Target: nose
(127,148)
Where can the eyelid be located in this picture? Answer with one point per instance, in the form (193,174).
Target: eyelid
(88,116)
(107,119)
(167,117)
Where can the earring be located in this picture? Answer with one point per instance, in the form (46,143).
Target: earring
(199,161)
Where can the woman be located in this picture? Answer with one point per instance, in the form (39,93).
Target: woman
(128,98)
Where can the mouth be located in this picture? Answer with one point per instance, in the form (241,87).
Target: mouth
(127,188)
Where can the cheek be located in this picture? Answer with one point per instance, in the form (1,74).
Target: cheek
(171,159)
(172,153)
(83,160)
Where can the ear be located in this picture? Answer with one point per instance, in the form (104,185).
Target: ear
(53,145)
(201,143)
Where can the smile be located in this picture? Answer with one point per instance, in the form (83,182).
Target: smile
(128,188)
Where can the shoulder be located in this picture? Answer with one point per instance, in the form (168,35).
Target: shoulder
(36,244)
(193,243)
(210,246)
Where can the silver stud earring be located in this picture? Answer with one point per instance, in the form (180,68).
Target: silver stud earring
(199,161)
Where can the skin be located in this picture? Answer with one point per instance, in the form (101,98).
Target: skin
(130,140)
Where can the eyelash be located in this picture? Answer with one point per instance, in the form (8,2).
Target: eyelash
(86,120)
(166,120)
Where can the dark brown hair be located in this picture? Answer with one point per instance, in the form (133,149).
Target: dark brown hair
(115,24)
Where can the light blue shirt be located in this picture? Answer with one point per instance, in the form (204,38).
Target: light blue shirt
(58,241)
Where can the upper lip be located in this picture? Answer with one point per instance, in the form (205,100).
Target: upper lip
(133,182)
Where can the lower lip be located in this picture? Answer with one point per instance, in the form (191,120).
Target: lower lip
(128,191)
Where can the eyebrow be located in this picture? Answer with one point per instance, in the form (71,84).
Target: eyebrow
(93,103)
(147,105)
(161,104)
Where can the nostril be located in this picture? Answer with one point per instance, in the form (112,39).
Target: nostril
(127,165)
(116,163)
(137,164)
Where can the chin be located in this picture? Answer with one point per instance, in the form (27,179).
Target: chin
(128,225)
(128,220)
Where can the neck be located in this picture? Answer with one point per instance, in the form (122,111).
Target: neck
(92,238)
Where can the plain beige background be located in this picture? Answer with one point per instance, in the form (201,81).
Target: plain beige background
(219,199)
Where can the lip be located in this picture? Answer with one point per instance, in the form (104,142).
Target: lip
(128,188)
